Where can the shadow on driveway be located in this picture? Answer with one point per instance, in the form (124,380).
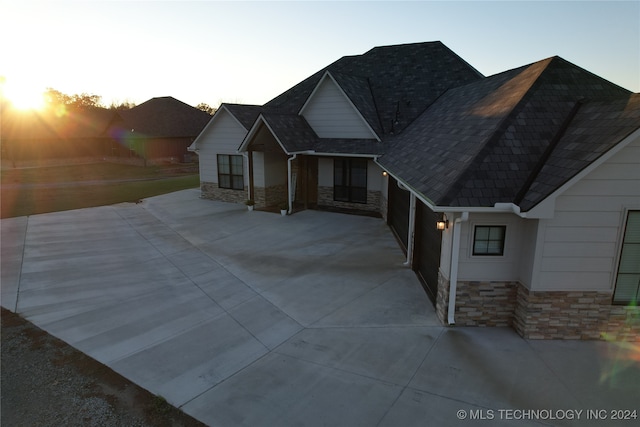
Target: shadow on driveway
(251,318)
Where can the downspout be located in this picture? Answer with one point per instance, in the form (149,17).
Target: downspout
(289,182)
(411,228)
(453,278)
(412,222)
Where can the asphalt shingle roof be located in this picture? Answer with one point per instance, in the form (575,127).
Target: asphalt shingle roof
(597,127)
(456,137)
(245,114)
(165,117)
(483,143)
(397,82)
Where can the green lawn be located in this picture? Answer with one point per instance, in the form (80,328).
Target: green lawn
(34,200)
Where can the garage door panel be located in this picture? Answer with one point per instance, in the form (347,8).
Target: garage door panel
(426,261)
(398,215)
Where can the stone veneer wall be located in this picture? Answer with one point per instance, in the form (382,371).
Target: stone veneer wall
(574,315)
(325,198)
(485,303)
(478,303)
(210,190)
(275,194)
(584,315)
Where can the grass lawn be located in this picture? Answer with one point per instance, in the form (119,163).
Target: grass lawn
(34,199)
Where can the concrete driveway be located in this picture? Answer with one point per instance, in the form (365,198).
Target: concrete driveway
(253,319)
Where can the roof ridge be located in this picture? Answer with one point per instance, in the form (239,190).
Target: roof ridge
(547,152)
(498,132)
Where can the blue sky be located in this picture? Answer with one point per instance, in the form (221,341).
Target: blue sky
(249,52)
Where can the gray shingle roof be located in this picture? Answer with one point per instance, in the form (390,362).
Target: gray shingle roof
(165,117)
(296,135)
(245,114)
(461,139)
(597,127)
(398,82)
(484,143)
(292,131)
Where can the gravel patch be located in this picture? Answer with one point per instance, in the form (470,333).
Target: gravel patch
(46,382)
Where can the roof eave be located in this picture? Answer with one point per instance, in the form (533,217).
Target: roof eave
(254,129)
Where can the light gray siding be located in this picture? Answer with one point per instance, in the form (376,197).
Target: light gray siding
(331,115)
(491,268)
(223,136)
(581,243)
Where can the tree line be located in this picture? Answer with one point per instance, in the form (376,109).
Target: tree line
(55,99)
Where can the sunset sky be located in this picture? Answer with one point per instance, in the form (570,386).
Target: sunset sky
(249,52)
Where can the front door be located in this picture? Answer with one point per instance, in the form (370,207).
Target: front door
(307,185)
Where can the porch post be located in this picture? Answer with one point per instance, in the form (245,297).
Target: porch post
(250,164)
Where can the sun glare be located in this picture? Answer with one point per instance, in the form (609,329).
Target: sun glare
(22,95)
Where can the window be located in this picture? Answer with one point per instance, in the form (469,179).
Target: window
(489,240)
(628,278)
(350,180)
(230,172)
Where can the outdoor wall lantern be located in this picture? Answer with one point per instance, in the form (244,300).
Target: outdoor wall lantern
(384,173)
(443,223)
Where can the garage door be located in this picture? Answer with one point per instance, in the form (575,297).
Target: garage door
(426,260)
(398,215)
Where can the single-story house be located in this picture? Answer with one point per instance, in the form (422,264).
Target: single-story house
(156,129)
(516,197)
(162,127)
(32,135)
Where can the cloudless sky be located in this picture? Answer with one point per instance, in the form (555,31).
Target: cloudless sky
(249,52)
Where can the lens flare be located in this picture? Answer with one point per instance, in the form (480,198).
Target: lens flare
(625,355)
(22,95)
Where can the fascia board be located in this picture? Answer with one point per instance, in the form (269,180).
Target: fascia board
(211,123)
(498,208)
(313,92)
(367,156)
(327,75)
(254,129)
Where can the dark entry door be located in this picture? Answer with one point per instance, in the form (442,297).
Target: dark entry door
(426,261)
(398,213)
(307,186)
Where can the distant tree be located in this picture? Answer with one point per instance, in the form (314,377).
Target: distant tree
(124,105)
(54,99)
(206,108)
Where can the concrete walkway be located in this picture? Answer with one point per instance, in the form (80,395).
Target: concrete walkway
(253,319)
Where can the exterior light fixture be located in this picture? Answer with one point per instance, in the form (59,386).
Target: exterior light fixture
(443,223)
(384,173)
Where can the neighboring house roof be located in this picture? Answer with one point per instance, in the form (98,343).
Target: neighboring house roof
(164,117)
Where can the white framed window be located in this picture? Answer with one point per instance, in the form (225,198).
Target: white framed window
(230,173)
(488,240)
(627,288)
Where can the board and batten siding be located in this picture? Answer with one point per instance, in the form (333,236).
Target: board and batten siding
(224,136)
(581,243)
(331,115)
